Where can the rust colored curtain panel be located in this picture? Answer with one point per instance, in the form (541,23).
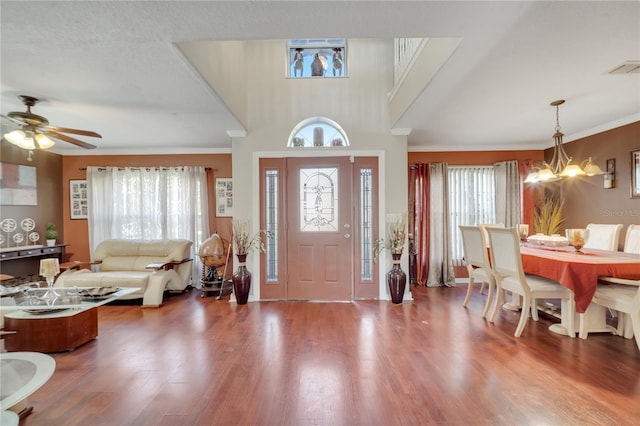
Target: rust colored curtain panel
(419,198)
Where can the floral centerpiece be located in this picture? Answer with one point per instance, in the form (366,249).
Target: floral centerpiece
(547,217)
(244,242)
(396,278)
(395,239)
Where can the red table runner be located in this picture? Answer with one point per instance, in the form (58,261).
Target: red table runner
(579,272)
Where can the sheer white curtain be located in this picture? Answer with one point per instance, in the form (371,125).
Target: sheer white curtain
(472,201)
(508,199)
(440,262)
(148,203)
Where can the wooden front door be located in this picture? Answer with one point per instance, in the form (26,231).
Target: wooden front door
(320,229)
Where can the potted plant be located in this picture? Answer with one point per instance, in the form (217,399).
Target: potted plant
(51,234)
(396,278)
(244,243)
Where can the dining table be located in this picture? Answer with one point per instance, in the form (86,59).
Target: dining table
(579,271)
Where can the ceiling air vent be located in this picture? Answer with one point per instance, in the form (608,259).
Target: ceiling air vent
(628,67)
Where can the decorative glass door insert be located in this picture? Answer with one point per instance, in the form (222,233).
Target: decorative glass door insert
(319,200)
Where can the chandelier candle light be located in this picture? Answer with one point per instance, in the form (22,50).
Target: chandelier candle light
(523,232)
(49,268)
(560,165)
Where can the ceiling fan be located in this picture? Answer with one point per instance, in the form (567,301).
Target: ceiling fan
(35,131)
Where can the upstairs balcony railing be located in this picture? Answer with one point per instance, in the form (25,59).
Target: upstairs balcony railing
(404,49)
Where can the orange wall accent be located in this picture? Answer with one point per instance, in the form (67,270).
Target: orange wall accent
(482,158)
(473,158)
(76,232)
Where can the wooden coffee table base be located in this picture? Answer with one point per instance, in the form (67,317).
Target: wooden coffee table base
(52,334)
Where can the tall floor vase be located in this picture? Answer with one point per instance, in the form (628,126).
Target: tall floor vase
(241,281)
(396,279)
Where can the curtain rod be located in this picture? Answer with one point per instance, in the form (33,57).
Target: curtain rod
(101,169)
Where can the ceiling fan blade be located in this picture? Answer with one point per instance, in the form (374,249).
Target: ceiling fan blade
(13,120)
(73,131)
(69,139)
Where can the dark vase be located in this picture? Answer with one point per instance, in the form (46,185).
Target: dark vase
(241,281)
(396,279)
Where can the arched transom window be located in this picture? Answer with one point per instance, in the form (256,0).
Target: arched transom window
(317,132)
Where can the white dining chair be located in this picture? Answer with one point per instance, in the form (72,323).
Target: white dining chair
(603,236)
(484,227)
(624,298)
(506,264)
(476,258)
(632,240)
(631,245)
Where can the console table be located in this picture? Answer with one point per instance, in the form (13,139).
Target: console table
(25,261)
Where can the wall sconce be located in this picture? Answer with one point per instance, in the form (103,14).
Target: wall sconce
(610,174)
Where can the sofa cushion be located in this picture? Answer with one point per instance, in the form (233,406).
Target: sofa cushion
(135,255)
(109,279)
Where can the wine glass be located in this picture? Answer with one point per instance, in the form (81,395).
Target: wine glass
(523,232)
(577,238)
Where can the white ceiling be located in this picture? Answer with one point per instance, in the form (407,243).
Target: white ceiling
(111,67)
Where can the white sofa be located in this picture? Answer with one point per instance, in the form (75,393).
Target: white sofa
(152,265)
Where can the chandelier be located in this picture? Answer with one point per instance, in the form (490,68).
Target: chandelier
(560,165)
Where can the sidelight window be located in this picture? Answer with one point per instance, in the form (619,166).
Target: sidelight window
(272,225)
(366,224)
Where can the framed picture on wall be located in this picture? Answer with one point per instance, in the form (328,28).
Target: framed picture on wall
(18,185)
(224,197)
(78,199)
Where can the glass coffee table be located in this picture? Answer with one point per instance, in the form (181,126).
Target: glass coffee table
(21,374)
(56,324)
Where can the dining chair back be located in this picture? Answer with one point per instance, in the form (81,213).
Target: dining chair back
(632,239)
(476,259)
(603,236)
(484,227)
(506,264)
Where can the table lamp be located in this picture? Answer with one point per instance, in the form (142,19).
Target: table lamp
(49,268)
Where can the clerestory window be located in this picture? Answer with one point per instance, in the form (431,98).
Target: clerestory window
(317,132)
(312,58)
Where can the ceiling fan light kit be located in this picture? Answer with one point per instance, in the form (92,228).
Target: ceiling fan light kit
(25,140)
(20,138)
(560,165)
(35,131)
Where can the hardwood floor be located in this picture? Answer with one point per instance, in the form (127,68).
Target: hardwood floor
(208,362)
